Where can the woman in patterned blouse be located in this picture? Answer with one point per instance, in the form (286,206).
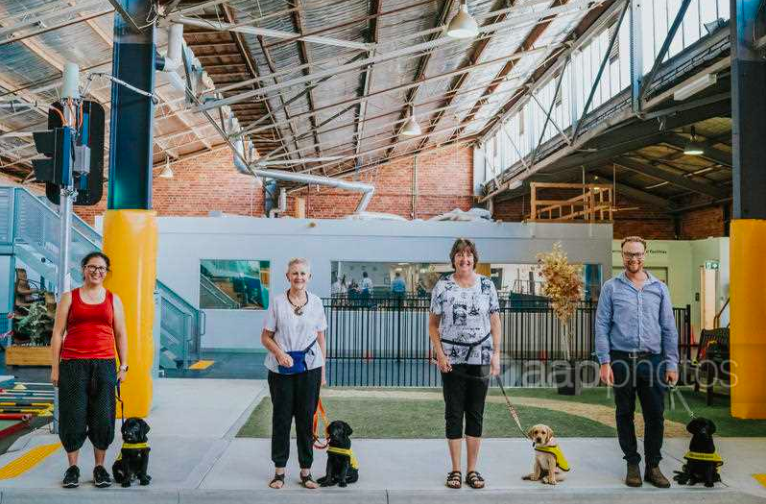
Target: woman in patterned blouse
(464,327)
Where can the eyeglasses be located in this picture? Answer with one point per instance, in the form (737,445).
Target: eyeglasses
(96,269)
(636,255)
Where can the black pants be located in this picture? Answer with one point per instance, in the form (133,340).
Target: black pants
(643,378)
(296,396)
(87,402)
(465,392)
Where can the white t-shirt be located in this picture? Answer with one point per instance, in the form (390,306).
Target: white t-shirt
(367,283)
(295,332)
(465,318)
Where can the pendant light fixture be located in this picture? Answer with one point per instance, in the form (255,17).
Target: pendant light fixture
(411,126)
(463,25)
(694,147)
(167,171)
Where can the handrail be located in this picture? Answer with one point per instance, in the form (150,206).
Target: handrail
(717,318)
(216,292)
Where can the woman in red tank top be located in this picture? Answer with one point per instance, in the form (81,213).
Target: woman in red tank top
(90,323)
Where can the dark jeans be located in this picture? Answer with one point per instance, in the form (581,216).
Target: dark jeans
(465,391)
(643,377)
(296,396)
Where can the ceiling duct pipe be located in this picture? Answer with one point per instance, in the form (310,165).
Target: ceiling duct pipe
(244,162)
(282,208)
(301,178)
(172,58)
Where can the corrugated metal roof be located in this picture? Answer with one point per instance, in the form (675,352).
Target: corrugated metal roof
(294,118)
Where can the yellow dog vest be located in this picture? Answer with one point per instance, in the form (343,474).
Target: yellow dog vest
(348,452)
(561,460)
(704,457)
(132,446)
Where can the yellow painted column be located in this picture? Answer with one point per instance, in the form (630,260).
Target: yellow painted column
(130,241)
(484,269)
(748,325)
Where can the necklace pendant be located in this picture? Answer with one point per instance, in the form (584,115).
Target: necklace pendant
(298,310)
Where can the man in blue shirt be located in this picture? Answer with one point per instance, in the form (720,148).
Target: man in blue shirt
(637,347)
(398,285)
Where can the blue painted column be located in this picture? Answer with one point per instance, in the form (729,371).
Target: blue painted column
(130,136)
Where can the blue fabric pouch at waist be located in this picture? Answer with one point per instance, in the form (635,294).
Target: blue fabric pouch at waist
(299,361)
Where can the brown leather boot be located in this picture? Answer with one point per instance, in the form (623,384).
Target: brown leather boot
(654,476)
(633,478)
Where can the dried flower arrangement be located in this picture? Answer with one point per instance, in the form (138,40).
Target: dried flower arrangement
(564,286)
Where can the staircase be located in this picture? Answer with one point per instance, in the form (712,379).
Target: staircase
(29,230)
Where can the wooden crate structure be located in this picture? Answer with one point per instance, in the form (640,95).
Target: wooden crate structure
(593,204)
(22,355)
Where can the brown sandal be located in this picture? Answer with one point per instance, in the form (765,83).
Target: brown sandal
(278,478)
(454,480)
(474,479)
(306,479)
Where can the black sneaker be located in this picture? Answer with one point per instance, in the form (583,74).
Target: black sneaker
(72,477)
(101,477)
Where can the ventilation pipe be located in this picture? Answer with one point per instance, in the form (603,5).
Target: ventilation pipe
(282,204)
(172,58)
(302,178)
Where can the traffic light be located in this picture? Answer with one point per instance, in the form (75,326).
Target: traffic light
(87,155)
(58,146)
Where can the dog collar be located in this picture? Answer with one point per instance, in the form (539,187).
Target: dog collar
(348,452)
(134,446)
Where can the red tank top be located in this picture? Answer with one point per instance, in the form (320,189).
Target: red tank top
(89,329)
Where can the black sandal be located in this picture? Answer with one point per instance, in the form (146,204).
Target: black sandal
(474,479)
(305,479)
(454,480)
(277,478)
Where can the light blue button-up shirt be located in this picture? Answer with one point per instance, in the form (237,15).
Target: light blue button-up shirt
(636,320)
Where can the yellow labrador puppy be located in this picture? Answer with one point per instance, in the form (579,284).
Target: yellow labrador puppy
(548,456)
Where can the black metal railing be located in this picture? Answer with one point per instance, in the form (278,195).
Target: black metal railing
(383,341)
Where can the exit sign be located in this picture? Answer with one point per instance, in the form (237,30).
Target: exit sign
(711,265)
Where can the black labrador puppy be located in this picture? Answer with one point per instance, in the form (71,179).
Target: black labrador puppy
(342,466)
(133,461)
(702,461)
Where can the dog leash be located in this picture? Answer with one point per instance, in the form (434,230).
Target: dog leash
(511,409)
(320,412)
(675,390)
(122,404)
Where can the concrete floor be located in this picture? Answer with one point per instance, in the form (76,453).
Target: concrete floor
(196,457)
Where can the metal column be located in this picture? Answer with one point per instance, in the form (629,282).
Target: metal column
(636,53)
(130,227)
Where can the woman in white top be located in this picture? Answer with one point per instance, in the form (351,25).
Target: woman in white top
(293,334)
(464,326)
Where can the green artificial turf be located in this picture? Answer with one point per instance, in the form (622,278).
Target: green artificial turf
(410,418)
(415,418)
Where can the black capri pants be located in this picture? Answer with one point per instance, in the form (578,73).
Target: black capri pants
(87,402)
(465,392)
(295,395)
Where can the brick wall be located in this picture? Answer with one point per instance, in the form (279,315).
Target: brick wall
(444,182)
(199,186)
(210,182)
(702,223)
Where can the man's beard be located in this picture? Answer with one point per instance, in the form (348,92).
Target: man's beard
(634,267)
